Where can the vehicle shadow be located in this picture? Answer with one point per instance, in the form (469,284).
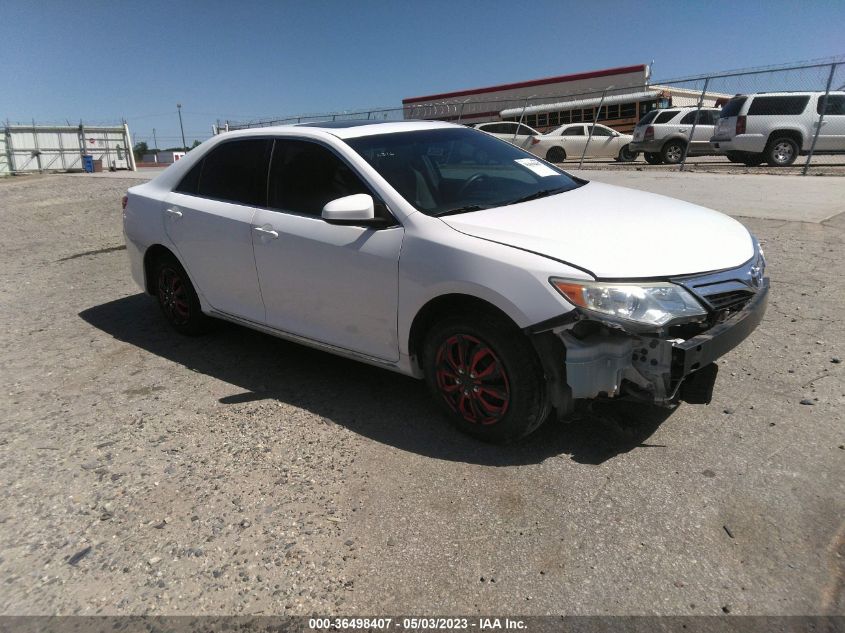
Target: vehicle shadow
(384,406)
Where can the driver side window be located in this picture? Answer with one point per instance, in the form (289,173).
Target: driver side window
(304,176)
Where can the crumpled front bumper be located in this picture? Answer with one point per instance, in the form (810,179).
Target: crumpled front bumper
(607,359)
(699,351)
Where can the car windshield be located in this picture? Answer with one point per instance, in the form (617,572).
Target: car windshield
(457,170)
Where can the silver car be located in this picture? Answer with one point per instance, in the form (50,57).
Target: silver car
(662,135)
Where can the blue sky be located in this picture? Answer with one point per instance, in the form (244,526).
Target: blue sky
(101,61)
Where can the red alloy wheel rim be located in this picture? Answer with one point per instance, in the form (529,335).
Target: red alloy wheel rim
(173,296)
(472,379)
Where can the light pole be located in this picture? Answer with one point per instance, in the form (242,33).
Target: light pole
(155,142)
(181,127)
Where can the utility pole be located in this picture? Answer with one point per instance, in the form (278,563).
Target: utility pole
(181,127)
(155,142)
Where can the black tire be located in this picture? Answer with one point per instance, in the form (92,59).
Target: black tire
(673,152)
(507,404)
(556,155)
(781,151)
(753,161)
(626,155)
(177,298)
(653,158)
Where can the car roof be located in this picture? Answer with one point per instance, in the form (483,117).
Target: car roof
(792,93)
(349,128)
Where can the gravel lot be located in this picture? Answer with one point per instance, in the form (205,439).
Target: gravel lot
(143,472)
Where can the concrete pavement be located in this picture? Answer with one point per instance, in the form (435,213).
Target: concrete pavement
(793,198)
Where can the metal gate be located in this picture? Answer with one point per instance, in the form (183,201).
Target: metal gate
(43,148)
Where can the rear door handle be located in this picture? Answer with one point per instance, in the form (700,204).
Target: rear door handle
(173,213)
(267,232)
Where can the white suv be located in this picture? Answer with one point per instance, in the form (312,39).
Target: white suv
(776,127)
(662,135)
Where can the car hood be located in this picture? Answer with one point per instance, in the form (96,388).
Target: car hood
(614,232)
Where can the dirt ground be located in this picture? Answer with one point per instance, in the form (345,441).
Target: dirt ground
(143,472)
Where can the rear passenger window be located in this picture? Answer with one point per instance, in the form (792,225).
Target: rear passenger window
(835,105)
(190,183)
(665,117)
(732,107)
(304,176)
(236,171)
(575,130)
(778,105)
(526,131)
(688,118)
(648,118)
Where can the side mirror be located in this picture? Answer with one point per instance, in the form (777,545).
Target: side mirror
(355,209)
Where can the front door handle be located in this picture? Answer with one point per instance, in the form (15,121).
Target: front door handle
(173,213)
(267,232)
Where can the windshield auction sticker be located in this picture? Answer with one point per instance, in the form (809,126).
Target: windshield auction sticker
(537,167)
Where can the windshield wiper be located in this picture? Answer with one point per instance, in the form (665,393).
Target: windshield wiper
(467,209)
(534,196)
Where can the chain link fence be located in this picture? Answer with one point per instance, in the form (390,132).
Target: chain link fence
(710,120)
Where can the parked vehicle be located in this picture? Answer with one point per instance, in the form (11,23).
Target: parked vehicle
(519,134)
(663,135)
(568,141)
(434,250)
(777,127)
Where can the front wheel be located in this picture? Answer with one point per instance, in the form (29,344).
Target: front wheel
(626,155)
(652,158)
(485,376)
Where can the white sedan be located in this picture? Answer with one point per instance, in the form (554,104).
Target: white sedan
(517,133)
(440,252)
(568,142)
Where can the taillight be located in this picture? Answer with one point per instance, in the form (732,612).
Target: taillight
(123,202)
(649,132)
(534,140)
(740,125)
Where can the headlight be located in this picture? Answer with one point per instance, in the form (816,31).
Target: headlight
(649,303)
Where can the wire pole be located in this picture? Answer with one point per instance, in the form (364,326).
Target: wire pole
(593,126)
(821,120)
(521,117)
(181,127)
(694,123)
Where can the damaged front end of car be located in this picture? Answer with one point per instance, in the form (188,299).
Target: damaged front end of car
(654,341)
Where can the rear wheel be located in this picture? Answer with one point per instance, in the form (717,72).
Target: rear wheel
(485,376)
(626,155)
(673,152)
(556,155)
(653,158)
(177,297)
(781,151)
